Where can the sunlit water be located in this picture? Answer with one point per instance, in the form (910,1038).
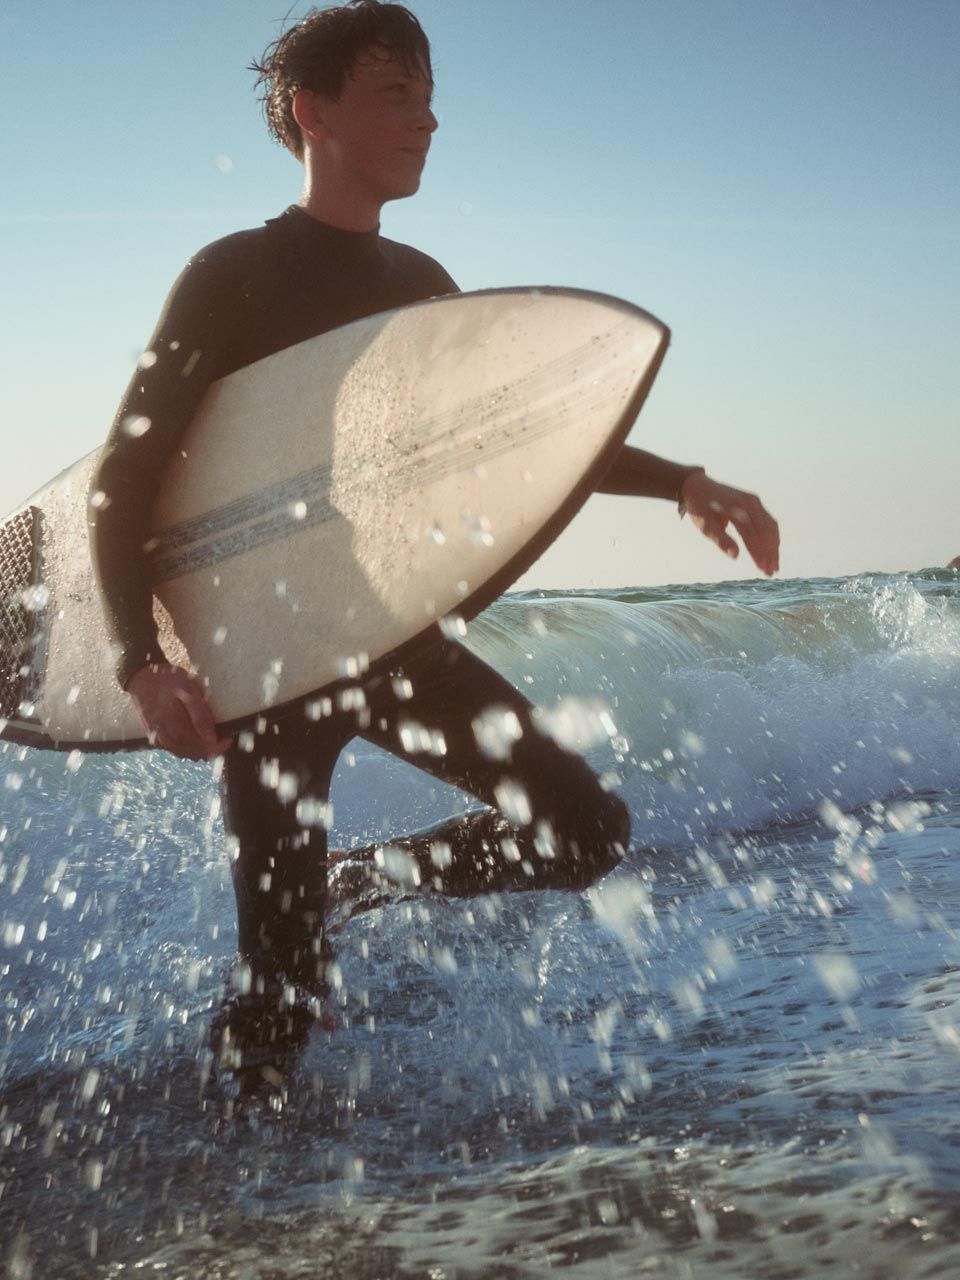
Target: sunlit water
(738,1056)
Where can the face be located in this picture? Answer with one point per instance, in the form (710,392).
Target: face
(377,134)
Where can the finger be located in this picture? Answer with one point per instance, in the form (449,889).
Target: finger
(727,545)
(204,732)
(174,730)
(759,532)
(715,528)
(182,742)
(204,729)
(761,537)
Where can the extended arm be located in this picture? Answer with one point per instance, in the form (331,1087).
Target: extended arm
(712,506)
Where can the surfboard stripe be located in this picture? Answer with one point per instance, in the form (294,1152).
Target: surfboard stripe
(274,513)
(299,502)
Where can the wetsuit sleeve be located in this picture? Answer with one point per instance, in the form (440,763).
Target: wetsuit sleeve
(639,474)
(184,356)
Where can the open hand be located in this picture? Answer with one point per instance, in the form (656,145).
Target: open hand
(175,713)
(713,507)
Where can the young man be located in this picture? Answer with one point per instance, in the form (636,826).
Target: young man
(348,91)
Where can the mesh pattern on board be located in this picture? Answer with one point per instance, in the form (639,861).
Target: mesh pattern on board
(17,570)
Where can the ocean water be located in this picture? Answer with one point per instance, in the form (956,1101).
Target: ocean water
(738,1056)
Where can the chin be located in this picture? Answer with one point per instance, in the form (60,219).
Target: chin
(401,190)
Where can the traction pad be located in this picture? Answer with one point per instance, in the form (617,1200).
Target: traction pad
(21,601)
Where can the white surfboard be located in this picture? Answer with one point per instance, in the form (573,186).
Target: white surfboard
(330,504)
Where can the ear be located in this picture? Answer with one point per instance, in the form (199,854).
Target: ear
(308,111)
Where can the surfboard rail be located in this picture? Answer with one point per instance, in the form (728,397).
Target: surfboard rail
(501,416)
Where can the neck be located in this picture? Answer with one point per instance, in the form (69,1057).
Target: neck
(339,207)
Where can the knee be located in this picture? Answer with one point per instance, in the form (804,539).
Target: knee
(596,841)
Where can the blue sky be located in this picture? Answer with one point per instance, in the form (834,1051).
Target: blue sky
(776,179)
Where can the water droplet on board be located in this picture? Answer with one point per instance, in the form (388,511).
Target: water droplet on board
(436,535)
(35,598)
(99,500)
(480,534)
(146,360)
(219,635)
(298,510)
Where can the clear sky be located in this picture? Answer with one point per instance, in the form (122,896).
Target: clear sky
(777,180)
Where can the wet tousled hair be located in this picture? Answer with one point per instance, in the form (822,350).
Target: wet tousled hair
(321,51)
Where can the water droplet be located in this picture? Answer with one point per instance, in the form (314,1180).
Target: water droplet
(513,802)
(223,162)
(480,534)
(99,500)
(351,666)
(315,813)
(35,598)
(298,510)
(417,739)
(13,934)
(441,855)
(135,425)
(692,743)
(763,892)
(496,730)
(402,688)
(147,360)
(838,975)
(578,723)
(288,784)
(219,635)
(397,865)
(436,535)
(545,841)
(453,626)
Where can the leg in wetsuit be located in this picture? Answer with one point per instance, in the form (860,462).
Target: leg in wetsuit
(280,871)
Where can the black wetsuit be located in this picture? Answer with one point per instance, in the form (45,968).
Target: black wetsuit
(240,299)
